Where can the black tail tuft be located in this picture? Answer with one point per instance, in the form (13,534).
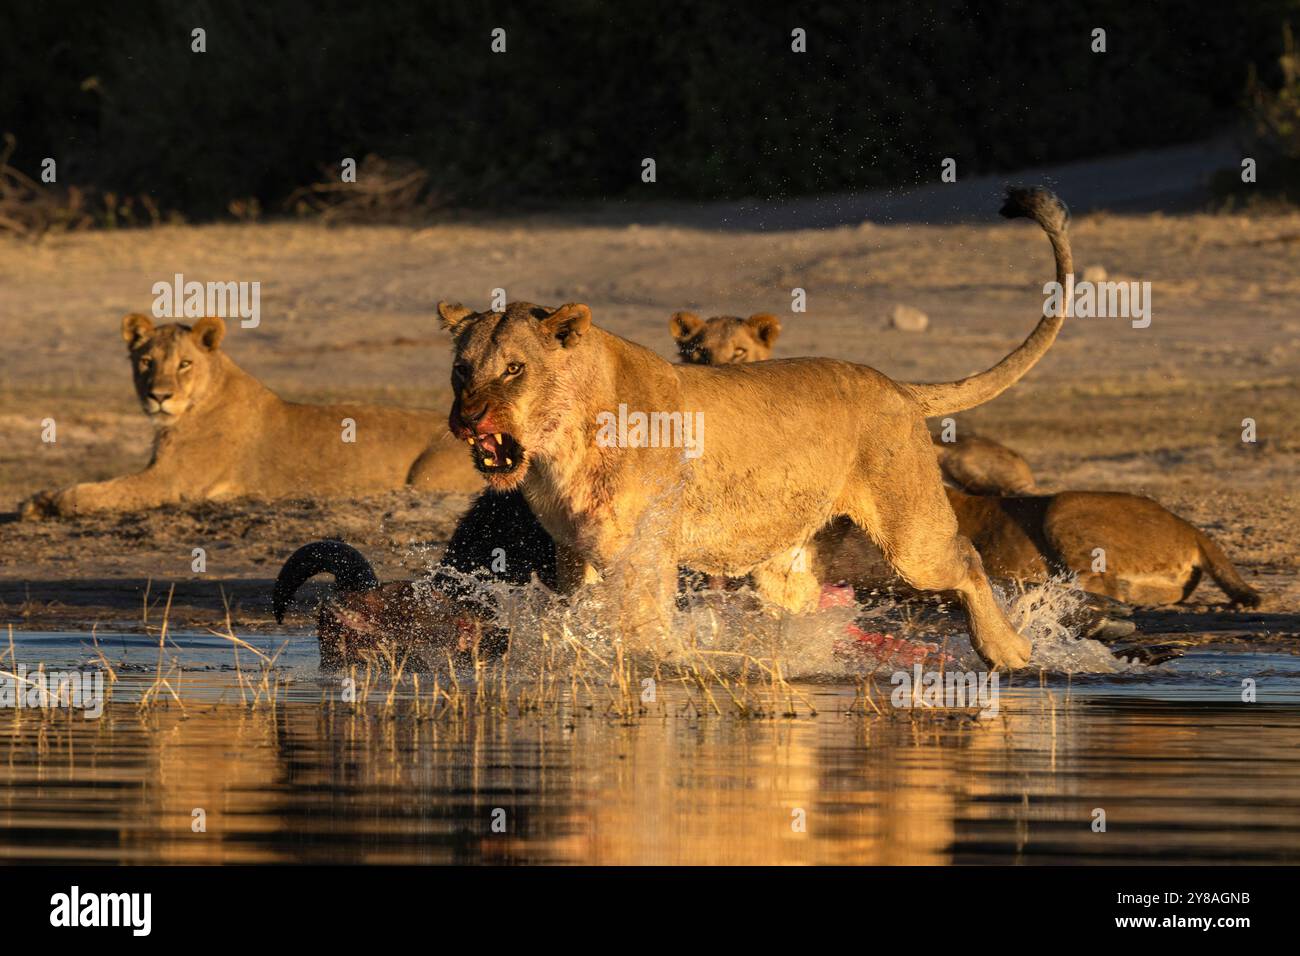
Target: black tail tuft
(1037,203)
(351,570)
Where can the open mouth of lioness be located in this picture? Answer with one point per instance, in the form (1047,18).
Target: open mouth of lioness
(496,453)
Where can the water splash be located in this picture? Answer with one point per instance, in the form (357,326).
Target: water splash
(727,632)
(1041,610)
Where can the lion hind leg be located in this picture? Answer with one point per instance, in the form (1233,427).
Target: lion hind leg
(1146,590)
(916,531)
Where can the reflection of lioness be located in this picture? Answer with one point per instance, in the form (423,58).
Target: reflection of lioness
(534,386)
(1151,556)
(223,434)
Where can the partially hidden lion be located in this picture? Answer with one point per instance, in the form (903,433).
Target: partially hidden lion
(220,433)
(731,492)
(982,466)
(724,339)
(973,463)
(1123,546)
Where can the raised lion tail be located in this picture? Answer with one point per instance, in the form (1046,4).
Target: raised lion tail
(944,398)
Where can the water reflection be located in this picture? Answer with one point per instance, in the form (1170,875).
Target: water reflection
(1178,781)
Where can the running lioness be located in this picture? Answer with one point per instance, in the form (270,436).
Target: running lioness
(536,388)
(220,433)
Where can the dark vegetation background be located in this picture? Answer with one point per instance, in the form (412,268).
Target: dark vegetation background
(587,89)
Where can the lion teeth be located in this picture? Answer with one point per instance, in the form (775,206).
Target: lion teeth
(490,462)
(497,436)
(509,462)
(470,440)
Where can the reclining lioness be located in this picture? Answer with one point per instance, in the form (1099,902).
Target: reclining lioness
(971,462)
(220,433)
(1148,553)
(535,387)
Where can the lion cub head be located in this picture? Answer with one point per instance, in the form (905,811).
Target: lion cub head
(724,339)
(173,365)
(512,376)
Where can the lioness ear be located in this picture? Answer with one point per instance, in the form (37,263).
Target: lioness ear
(453,314)
(567,324)
(683,325)
(136,328)
(208,332)
(766,326)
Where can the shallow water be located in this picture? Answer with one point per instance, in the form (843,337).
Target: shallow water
(1184,770)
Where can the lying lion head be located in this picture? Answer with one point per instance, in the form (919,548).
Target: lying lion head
(510,380)
(173,364)
(724,339)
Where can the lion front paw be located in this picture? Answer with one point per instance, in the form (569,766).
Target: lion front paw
(1009,651)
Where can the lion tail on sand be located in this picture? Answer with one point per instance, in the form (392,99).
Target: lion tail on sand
(351,570)
(944,398)
(1223,572)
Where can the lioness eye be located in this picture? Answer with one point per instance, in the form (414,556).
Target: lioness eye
(740,353)
(145,363)
(514,368)
(460,370)
(185,363)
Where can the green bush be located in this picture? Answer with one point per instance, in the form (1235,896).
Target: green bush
(587,89)
(1275,115)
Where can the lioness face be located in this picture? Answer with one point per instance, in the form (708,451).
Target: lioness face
(509,376)
(724,339)
(172,364)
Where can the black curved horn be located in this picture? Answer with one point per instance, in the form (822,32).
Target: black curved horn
(351,570)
